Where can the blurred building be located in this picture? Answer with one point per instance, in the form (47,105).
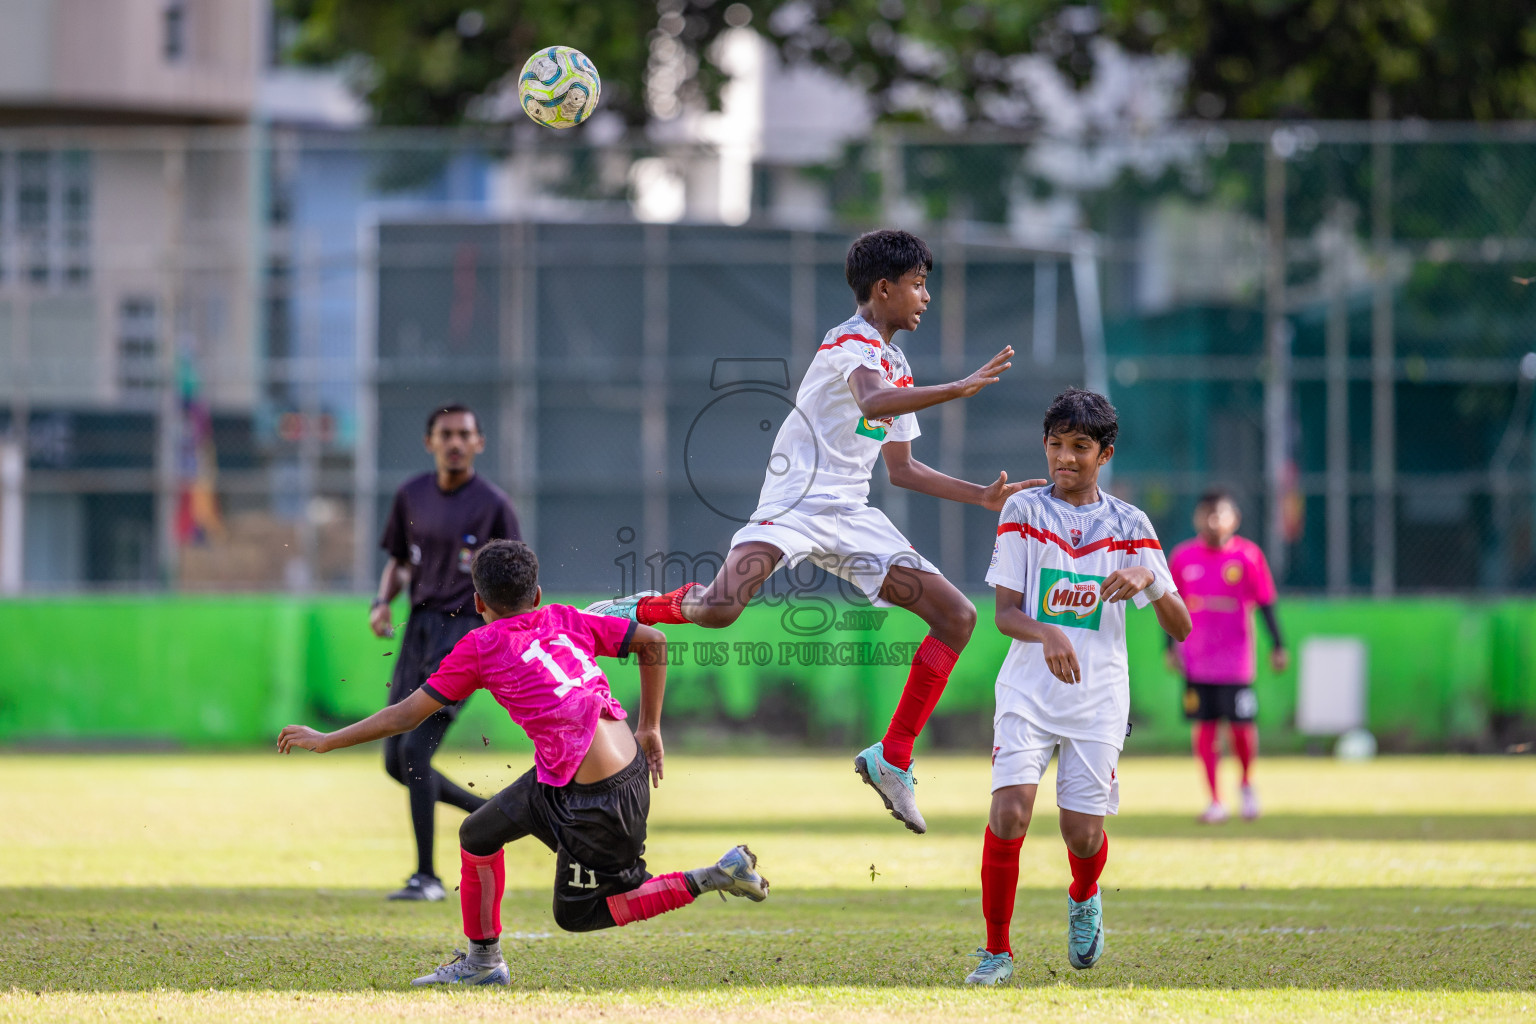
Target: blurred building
(127,261)
(227,302)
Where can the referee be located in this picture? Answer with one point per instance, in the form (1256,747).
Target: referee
(437,522)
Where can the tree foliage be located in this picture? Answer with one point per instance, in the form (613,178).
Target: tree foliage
(427,60)
(1435,59)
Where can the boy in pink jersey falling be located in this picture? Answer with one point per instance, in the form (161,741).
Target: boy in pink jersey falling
(1223,576)
(586,797)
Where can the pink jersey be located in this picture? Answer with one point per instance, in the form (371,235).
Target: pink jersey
(1220,588)
(539,667)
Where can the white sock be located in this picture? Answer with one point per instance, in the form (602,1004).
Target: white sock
(485,954)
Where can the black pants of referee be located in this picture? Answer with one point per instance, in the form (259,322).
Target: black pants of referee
(429,635)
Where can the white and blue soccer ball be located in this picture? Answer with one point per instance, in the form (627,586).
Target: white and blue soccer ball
(559,87)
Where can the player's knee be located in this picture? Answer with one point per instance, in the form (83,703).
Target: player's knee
(1082,838)
(392,764)
(960,620)
(475,839)
(416,750)
(1009,822)
(582,916)
(1010,815)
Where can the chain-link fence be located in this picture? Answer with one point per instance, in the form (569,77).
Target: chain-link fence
(218,347)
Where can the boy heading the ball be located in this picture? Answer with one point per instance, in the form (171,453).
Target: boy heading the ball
(857,403)
(586,797)
(1066,559)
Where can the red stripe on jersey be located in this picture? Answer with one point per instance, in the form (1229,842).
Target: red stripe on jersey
(849,337)
(1044,536)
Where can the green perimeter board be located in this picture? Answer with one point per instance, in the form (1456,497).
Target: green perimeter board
(230,671)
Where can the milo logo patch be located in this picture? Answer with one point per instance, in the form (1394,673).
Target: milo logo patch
(876,430)
(1070,599)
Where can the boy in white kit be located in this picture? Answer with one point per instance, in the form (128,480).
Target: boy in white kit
(1066,560)
(856,405)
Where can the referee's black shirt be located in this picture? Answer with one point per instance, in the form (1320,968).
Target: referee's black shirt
(437,533)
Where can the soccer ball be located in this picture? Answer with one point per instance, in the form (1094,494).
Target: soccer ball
(559,87)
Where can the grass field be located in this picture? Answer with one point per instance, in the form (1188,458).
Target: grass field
(178,888)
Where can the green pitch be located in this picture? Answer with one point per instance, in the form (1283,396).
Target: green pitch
(180,888)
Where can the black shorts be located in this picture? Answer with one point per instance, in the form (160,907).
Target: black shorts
(597,832)
(1215,702)
(429,636)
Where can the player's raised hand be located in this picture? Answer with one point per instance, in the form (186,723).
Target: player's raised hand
(1124,584)
(1061,656)
(988,374)
(299,736)
(650,742)
(1000,490)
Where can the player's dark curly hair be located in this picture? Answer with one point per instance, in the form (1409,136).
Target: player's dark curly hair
(1215,496)
(506,574)
(1083,412)
(447,410)
(884,253)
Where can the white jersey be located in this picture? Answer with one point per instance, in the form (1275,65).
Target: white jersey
(1057,556)
(826,449)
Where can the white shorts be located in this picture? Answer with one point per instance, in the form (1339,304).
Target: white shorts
(1085,770)
(858,544)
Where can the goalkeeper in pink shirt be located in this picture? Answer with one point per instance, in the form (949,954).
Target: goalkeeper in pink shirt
(1223,577)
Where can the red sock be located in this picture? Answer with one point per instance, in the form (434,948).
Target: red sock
(665,608)
(999,884)
(931,666)
(1086,872)
(1245,744)
(1208,751)
(659,895)
(481,883)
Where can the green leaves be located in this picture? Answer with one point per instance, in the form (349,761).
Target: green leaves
(426,60)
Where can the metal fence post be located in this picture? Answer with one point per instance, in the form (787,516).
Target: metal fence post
(365,451)
(1042,335)
(653,391)
(519,387)
(13,486)
(12,500)
(1383,366)
(952,415)
(168,406)
(1277,383)
(1336,357)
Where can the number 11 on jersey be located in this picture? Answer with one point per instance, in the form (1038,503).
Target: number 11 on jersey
(589,669)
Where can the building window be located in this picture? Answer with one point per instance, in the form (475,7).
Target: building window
(75,216)
(45,217)
(32,203)
(138,363)
(174,18)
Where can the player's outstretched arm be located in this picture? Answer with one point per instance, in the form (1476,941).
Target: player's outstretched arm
(1013,621)
(878,399)
(395,719)
(907,472)
(649,645)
